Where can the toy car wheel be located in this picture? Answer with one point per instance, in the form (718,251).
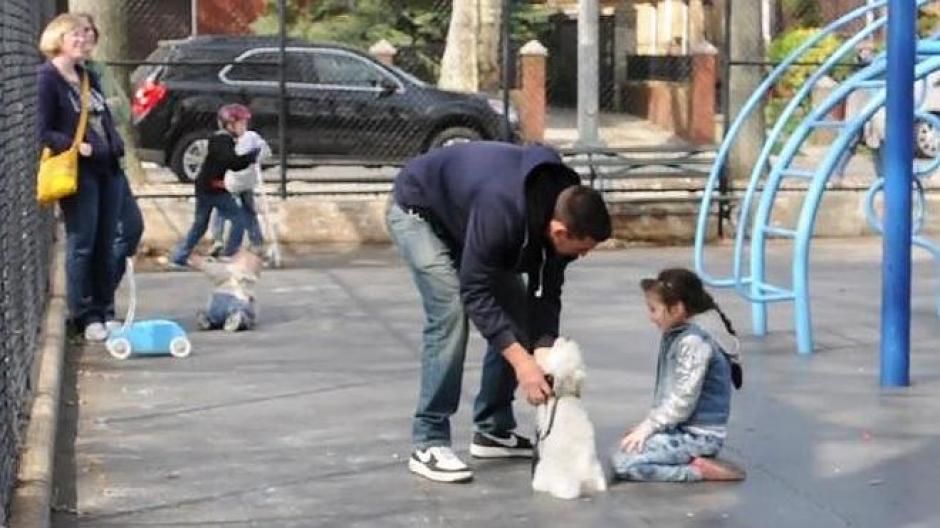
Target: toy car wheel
(180,347)
(119,348)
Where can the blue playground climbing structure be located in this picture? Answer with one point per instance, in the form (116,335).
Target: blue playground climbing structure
(776,163)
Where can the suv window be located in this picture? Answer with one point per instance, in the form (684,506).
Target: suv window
(339,69)
(263,67)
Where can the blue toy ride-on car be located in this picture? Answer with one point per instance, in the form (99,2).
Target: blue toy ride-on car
(155,337)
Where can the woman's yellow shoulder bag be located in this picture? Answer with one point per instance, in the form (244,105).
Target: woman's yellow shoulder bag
(58,173)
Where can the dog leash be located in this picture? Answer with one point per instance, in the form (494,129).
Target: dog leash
(540,436)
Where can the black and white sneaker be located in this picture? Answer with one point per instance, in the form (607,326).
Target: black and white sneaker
(439,463)
(486,445)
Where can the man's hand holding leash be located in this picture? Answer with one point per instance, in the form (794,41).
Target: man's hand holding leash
(529,375)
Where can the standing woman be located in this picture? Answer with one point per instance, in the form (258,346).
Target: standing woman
(91,213)
(130,227)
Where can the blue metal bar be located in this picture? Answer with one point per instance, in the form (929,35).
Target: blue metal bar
(779,232)
(899,156)
(768,195)
(754,103)
(924,47)
(814,193)
(806,222)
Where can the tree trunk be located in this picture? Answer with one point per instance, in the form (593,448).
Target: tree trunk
(111,18)
(488,47)
(459,66)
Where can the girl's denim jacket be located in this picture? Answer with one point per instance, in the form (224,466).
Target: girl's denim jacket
(693,378)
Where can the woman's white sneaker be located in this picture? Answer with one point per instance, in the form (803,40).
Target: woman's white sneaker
(439,463)
(96,333)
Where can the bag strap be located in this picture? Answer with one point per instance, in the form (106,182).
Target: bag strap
(83,116)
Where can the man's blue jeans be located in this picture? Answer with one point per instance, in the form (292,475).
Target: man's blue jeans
(445,336)
(666,457)
(226,205)
(90,225)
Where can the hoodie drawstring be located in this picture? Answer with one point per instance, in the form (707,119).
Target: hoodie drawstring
(538,292)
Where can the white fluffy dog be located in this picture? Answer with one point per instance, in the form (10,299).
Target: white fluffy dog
(567,464)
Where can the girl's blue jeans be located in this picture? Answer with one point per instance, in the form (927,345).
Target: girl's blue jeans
(666,457)
(445,336)
(222,305)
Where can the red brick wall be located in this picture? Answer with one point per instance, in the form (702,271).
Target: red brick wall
(228,17)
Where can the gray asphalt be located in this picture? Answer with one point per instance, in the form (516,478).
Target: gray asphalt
(305,421)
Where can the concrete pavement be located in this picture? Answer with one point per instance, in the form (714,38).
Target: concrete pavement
(305,421)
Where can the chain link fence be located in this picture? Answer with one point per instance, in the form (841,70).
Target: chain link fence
(25,230)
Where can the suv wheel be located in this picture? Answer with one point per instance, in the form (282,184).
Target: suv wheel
(452,136)
(188,154)
(926,143)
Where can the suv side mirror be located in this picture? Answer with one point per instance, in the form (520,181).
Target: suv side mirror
(387,88)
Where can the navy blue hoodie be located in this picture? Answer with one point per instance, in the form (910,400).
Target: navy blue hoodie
(493,201)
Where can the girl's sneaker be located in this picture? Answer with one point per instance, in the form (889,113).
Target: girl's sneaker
(234,322)
(202,320)
(716,469)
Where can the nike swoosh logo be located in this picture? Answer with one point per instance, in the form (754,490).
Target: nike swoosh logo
(512,441)
(423,456)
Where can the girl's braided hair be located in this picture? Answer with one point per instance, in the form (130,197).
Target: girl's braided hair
(675,285)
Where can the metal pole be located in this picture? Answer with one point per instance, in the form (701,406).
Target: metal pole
(194,17)
(282,94)
(588,77)
(507,50)
(899,155)
(724,208)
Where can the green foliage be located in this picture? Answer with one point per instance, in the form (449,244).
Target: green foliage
(361,23)
(529,21)
(797,75)
(418,28)
(805,13)
(928,23)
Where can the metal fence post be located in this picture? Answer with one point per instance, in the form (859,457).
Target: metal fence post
(282,93)
(507,82)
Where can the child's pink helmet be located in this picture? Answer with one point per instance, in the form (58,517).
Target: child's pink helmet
(233,112)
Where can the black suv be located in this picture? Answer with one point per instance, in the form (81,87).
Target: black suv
(344,107)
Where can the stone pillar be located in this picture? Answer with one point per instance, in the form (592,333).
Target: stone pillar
(532,108)
(702,93)
(384,51)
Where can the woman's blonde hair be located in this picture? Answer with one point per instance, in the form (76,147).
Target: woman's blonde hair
(50,42)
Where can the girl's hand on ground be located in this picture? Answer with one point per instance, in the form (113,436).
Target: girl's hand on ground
(634,440)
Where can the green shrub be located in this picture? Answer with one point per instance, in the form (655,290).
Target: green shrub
(797,75)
